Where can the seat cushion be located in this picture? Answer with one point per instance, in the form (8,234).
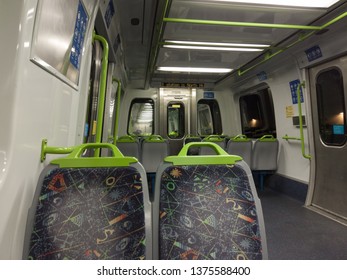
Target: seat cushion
(208,212)
(89,213)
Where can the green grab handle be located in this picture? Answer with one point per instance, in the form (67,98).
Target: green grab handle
(74,159)
(154,138)
(267,138)
(126,139)
(221,157)
(45,149)
(240,138)
(218,149)
(213,138)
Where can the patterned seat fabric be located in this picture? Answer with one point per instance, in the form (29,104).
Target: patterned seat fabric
(208,213)
(89,213)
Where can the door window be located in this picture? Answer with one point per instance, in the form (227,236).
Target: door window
(209,119)
(331,107)
(141,117)
(175,120)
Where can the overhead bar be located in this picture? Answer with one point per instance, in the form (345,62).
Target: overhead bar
(241,24)
(269,55)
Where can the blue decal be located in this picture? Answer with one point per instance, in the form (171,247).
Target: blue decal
(293,87)
(78,37)
(208,94)
(313,53)
(109,13)
(338,129)
(262,76)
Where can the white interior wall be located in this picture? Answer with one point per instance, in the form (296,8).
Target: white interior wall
(34,105)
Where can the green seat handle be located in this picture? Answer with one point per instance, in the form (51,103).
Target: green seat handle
(240,138)
(213,138)
(267,138)
(218,149)
(74,159)
(154,138)
(221,157)
(126,139)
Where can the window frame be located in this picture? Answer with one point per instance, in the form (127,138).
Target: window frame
(141,101)
(217,127)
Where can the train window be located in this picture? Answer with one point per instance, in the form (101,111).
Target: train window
(175,120)
(257,114)
(141,117)
(209,119)
(331,107)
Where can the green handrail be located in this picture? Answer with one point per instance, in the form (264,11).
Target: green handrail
(269,54)
(116,121)
(241,24)
(53,150)
(102,91)
(301,139)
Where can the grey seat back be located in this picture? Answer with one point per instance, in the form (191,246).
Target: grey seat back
(129,146)
(265,154)
(241,146)
(153,150)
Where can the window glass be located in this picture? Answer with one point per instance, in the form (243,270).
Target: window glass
(331,107)
(141,117)
(209,120)
(175,120)
(257,114)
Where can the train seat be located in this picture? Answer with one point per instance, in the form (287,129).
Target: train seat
(153,150)
(217,139)
(206,207)
(90,208)
(264,157)
(129,146)
(242,146)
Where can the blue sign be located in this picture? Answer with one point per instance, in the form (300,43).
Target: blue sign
(209,94)
(293,88)
(262,76)
(78,37)
(313,53)
(109,13)
(339,129)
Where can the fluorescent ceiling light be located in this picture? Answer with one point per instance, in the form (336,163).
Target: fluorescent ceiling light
(195,69)
(219,44)
(213,48)
(292,3)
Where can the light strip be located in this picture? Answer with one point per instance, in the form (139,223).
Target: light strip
(288,3)
(195,69)
(212,48)
(219,44)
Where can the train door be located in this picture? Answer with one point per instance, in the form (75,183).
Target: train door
(176,120)
(328,84)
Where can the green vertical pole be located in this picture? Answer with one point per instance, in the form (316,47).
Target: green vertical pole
(102,90)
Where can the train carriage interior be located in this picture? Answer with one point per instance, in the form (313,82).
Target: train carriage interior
(163,129)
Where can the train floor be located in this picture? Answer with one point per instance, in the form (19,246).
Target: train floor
(296,233)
